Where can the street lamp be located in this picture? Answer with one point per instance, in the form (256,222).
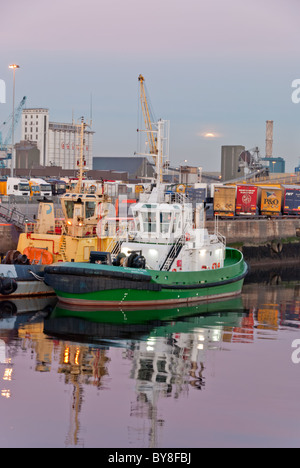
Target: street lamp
(273,162)
(13,67)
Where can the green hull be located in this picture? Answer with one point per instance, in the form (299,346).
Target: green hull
(92,286)
(124,316)
(119,326)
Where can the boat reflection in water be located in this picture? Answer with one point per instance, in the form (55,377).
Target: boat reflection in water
(147,367)
(126,323)
(167,350)
(19,310)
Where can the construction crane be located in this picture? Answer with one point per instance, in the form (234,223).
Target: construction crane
(8,124)
(157,134)
(152,140)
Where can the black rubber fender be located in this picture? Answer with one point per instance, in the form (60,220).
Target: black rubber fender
(79,271)
(9,286)
(7,309)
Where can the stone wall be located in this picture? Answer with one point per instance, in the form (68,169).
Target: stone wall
(250,231)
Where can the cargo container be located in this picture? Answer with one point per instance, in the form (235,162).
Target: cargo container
(246,200)
(224,200)
(291,199)
(270,200)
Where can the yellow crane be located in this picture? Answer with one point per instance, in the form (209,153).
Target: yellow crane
(152,140)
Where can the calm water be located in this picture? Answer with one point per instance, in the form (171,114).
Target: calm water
(181,378)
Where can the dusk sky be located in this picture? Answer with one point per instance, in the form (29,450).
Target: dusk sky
(217,66)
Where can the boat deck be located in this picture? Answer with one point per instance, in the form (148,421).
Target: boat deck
(229,262)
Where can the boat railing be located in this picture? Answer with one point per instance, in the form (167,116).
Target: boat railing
(120,235)
(217,237)
(180,198)
(34,228)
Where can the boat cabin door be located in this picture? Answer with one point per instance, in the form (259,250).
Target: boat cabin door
(78,218)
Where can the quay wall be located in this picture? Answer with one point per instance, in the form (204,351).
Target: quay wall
(256,231)
(265,241)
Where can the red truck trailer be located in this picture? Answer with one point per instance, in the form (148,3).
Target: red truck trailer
(246,200)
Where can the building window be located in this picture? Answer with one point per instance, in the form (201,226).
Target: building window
(36,129)
(25,129)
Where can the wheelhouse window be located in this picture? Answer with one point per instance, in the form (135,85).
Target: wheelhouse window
(69,205)
(165,221)
(176,224)
(90,209)
(149,221)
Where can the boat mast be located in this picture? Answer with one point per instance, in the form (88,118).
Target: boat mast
(78,188)
(159,156)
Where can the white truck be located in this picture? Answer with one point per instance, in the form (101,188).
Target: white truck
(15,186)
(40,187)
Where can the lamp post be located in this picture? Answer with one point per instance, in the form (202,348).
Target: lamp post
(273,162)
(13,67)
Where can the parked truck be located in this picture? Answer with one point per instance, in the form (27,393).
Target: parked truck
(58,186)
(39,187)
(246,200)
(291,199)
(14,186)
(270,200)
(224,200)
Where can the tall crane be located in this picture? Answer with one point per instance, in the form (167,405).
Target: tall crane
(152,140)
(9,124)
(157,134)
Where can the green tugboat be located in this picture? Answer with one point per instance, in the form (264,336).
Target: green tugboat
(167,258)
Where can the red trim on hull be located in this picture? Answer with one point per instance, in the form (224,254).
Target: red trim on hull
(95,305)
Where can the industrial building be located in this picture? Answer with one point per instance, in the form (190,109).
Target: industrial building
(275,165)
(34,128)
(59,143)
(27,155)
(137,167)
(230,158)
